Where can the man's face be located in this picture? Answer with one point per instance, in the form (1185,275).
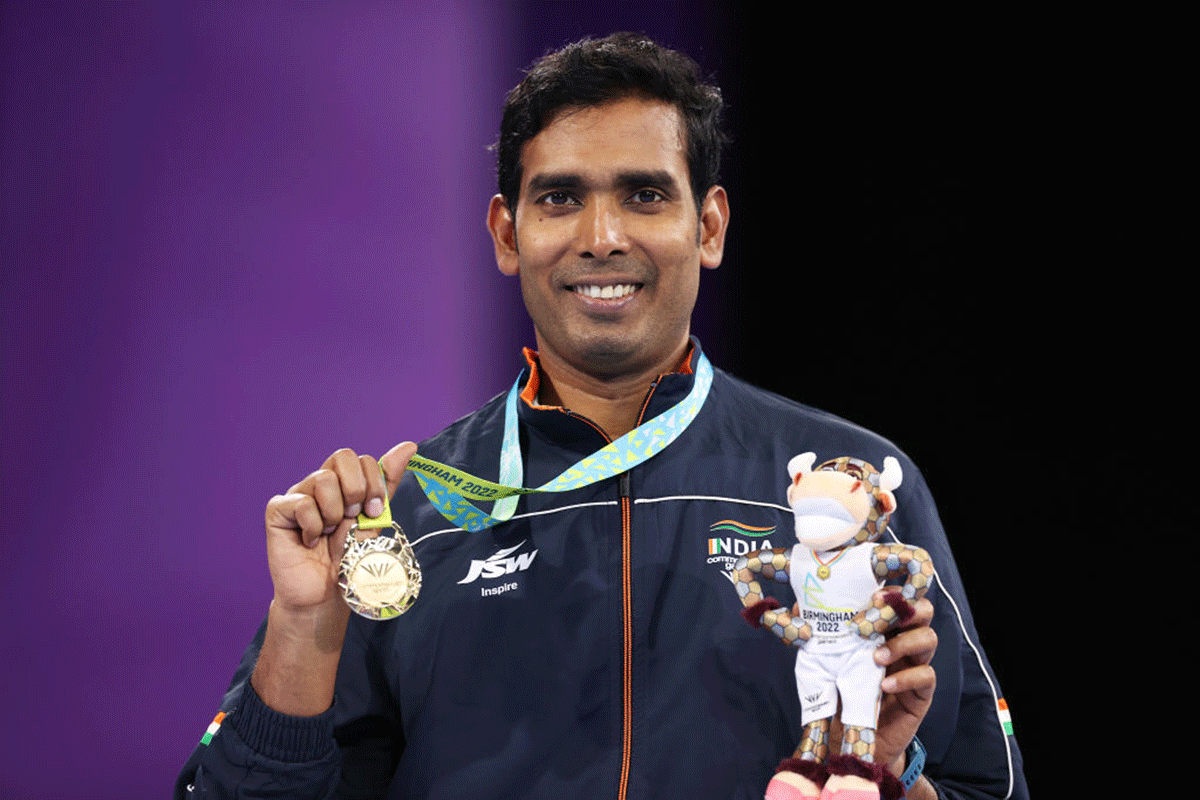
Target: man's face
(606,237)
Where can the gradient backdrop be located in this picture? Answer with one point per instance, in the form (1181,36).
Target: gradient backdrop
(237,236)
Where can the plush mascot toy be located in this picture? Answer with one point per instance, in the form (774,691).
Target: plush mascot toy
(838,621)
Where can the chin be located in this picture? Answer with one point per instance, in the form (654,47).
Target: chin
(612,354)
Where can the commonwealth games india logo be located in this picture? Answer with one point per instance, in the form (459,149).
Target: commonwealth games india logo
(729,540)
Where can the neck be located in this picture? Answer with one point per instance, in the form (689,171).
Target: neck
(613,402)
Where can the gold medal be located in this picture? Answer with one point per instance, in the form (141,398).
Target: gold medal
(825,568)
(379,577)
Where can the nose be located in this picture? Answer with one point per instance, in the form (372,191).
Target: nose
(601,230)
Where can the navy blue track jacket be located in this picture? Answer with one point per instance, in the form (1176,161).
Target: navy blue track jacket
(592,646)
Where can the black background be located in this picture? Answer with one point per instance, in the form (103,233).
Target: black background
(946,230)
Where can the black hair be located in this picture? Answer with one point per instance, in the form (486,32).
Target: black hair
(592,72)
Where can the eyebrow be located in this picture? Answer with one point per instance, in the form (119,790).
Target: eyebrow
(555,180)
(632,179)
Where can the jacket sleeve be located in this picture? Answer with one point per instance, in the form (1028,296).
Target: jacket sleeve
(971,754)
(251,750)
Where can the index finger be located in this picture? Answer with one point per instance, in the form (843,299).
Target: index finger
(916,644)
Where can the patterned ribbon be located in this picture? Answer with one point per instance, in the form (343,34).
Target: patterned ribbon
(451,490)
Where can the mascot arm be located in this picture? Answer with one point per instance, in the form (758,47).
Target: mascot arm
(760,609)
(905,566)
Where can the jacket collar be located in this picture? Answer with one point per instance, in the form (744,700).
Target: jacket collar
(576,432)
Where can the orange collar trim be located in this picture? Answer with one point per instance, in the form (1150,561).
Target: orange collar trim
(530,392)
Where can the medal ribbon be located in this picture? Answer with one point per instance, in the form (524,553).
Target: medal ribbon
(831,561)
(451,490)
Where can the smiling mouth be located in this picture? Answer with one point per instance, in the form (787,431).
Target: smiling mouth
(606,292)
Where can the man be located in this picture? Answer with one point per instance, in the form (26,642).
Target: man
(591,645)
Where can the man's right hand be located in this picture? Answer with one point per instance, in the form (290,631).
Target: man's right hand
(306,528)
(306,534)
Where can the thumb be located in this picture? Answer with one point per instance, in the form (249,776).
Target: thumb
(394,462)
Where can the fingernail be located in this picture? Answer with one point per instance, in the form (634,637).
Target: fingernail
(353,510)
(883,655)
(374,507)
(888,685)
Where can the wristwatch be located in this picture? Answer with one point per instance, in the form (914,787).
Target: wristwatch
(914,757)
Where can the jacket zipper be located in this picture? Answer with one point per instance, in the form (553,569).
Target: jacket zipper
(623,492)
(625,495)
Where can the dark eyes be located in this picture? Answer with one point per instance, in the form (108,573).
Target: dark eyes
(563,198)
(647,196)
(556,199)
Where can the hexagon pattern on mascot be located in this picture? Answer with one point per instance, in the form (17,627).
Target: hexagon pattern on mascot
(836,569)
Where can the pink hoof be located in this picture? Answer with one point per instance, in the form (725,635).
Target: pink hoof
(850,794)
(779,789)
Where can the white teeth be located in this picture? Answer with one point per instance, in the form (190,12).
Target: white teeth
(609,292)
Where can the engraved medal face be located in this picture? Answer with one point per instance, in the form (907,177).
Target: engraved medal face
(379,577)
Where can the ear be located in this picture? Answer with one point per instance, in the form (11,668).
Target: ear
(503,228)
(800,463)
(714,220)
(887,502)
(892,475)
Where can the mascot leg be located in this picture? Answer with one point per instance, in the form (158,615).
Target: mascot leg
(801,776)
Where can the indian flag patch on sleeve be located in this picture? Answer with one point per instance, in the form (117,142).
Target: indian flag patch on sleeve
(1005,717)
(216,725)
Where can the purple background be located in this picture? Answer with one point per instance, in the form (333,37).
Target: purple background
(236,236)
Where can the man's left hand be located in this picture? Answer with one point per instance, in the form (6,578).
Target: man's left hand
(908,685)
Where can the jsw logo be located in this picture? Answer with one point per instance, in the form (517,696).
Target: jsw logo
(501,564)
